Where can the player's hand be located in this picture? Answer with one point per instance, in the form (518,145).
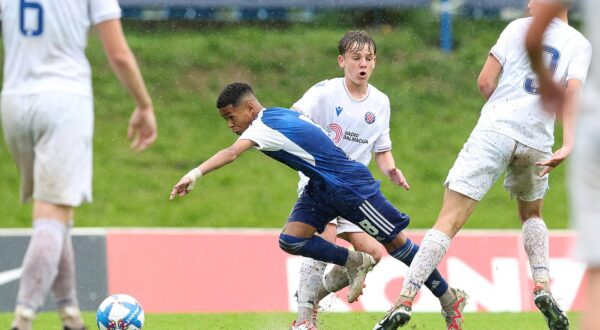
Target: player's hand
(397,177)
(557,158)
(182,188)
(142,128)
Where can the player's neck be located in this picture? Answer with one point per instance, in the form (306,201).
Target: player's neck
(563,17)
(356,91)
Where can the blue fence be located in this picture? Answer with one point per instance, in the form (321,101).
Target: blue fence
(282,10)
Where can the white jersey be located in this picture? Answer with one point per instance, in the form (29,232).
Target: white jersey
(45,41)
(359,127)
(514,109)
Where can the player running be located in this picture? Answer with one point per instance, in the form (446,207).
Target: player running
(513,135)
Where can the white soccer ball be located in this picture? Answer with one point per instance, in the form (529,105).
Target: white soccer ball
(120,312)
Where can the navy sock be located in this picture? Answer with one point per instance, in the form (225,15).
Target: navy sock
(435,282)
(315,248)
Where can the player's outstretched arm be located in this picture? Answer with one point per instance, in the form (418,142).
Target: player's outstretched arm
(387,165)
(551,93)
(142,125)
(218,160)
(569,113)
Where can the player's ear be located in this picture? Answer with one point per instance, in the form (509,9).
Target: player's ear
(250,105)
(341,61)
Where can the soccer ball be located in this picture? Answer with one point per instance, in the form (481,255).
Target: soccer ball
(120,312)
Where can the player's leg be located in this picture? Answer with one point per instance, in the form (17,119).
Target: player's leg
(535,241)
(63,288)
(483,158)
(524,182)
(311,281)
(336,279)
(298,238)
(536,244)
(61,170)
(423,266)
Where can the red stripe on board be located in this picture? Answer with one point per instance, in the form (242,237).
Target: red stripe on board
(191,271)
(198,272)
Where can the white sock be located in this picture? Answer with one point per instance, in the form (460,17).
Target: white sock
(311,277)
(64,288)
(535,241)
(40,264)
(432,250)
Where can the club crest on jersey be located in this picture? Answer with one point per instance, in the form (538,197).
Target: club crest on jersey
(369,118)
(338,110)
(335,132)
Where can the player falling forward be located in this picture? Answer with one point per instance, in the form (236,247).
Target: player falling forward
(356,116)
(513,135)
(337,187)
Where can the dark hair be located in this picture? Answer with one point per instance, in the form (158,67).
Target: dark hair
(355,40)
(233,93)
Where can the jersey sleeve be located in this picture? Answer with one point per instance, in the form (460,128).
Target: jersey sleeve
(578,68)
(311,101)
(104,10)
(266,138)
(383,142)
(503,44)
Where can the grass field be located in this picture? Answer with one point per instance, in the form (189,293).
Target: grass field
(282,321)
(435,104)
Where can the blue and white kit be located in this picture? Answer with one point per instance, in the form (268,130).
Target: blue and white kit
(338,186)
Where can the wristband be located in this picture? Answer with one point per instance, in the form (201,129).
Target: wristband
(193,175)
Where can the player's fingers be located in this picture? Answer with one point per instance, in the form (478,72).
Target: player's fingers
(406,185)
(546,170)
(130,131)
(173,194)
(136,140)
(146,141)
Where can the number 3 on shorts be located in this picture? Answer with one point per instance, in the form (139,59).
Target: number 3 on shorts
(368,227)
(28,11)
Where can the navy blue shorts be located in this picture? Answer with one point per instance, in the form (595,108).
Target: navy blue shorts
(376,216)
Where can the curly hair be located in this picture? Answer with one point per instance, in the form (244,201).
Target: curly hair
(233,93)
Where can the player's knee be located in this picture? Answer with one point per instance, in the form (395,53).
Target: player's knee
(376,253)
(291,244)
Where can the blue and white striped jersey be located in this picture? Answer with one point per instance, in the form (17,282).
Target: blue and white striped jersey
(293,139)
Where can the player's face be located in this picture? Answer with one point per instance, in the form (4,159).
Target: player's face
(238,118)
(358,64)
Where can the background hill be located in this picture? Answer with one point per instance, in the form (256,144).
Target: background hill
(434,97)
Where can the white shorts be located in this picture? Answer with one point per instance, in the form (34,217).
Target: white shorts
(487,155)
(584,187)
(50,138)
(345,226)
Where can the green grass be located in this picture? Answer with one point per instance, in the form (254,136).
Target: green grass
(276,321)
(435,104)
